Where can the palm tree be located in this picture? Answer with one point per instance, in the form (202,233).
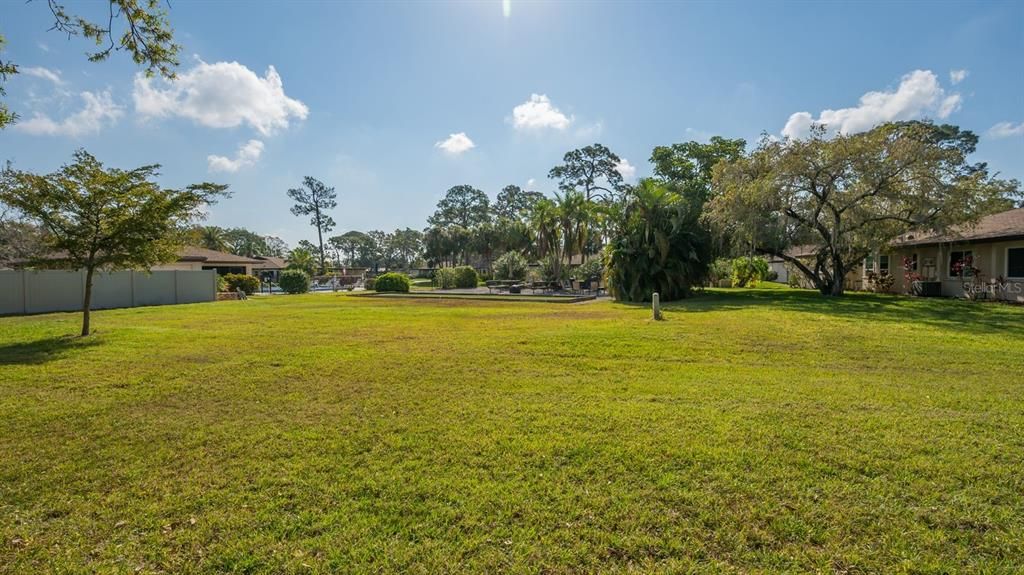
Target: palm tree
(658,246)
(545,220)
(574,216)
(213,238)
(302,259)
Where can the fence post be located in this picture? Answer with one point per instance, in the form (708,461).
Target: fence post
(656,305)
(24,291)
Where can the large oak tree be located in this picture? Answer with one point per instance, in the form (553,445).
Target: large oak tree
(852,194)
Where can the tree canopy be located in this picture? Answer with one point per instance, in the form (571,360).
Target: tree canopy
(592,170)
(463,206)
(146,35)
(99,218)
(852,194)
(688,167)
(313,199)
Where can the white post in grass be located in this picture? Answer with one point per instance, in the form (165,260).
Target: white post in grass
(656,305)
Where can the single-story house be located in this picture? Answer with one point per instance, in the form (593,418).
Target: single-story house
(269,268)
(994,246)
(196,258)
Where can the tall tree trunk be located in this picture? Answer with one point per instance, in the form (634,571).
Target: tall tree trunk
(87,301)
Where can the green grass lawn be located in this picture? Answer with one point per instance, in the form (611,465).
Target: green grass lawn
(754,431)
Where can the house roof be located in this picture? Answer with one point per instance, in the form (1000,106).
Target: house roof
(1008,224)
(270,263)
(197,254)
(803,251)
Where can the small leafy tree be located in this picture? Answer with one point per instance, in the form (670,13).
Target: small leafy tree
(105,219)
(314,199)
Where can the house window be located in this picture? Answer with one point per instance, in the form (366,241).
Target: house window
(962,259)
(913,262)
(1015,262)
(869,264)
(883,265)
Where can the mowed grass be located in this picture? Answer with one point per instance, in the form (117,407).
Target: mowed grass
(754,431)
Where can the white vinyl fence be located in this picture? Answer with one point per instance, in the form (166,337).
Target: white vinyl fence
(24,291)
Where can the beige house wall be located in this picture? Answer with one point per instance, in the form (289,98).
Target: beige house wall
(933,265)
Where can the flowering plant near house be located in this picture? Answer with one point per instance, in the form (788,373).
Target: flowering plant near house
(970,277)
(910,270)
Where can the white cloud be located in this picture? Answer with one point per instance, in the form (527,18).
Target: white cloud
(220,95)
(957,76)
(1006,130)
(918,95)
(98,111)
(44,73)
(627,170)
(538,113)
(43,46)
(247,155)
(530,183)
(456,144)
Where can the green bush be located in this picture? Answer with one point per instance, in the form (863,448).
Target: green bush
(721,269)
(392,282)
(249,284)
(749,270)
(294,281)
(221,284)
(459,277)
(370,283)
(592,268)
(510,266)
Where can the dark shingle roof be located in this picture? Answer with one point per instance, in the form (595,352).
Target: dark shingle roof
(270,263)
(197,254)
(1008,224)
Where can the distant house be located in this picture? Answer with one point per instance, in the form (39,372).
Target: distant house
(994,245)
(269,268)
(196,258)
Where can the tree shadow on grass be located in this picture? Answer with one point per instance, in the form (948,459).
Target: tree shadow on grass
(42,350)
(945,313)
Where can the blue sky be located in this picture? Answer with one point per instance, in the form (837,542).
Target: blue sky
(369,94)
